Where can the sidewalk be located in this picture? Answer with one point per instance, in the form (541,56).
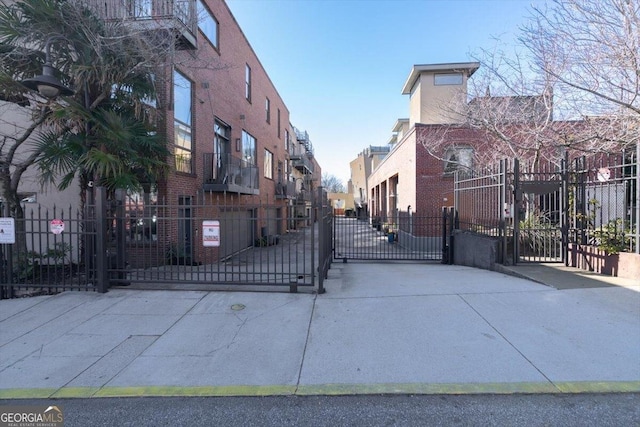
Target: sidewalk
(380,328)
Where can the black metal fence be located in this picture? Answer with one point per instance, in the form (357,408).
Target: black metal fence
(539,211)
(408,237)
(46,252)
(210,240)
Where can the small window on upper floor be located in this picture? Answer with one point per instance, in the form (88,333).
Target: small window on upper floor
(268,164)
(267,106)
(207,24)
(446,79)
(247,82)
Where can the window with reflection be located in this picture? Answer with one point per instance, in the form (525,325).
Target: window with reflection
(207,23)
(183,145)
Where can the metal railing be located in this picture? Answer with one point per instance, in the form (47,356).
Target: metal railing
(212,240)
(148,10)
(409,237)
(229,173)
(542,212)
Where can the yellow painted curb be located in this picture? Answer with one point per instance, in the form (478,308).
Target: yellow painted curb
(410,388)
(26,393)
(599,387)
(75,392)
(326,390)
(165,391)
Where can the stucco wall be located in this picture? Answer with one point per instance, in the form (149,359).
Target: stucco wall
(401,162)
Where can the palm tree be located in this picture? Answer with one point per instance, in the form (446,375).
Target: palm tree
(104,132)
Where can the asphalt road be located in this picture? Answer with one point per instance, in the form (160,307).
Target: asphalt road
(582,410)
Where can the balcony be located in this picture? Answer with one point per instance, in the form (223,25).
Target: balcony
(302,162)
(286,190)
(176,16)
(229,173)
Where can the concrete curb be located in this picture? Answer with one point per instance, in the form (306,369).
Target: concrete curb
(326,390)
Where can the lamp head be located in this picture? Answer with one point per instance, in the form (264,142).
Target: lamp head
(47,84)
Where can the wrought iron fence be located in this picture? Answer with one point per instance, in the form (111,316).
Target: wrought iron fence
(48,253)
(407,237)
(540,211)
(213,240)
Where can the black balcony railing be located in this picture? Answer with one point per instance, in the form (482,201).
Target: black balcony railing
(302,162)
(286,190)
(229,173)
(177,15)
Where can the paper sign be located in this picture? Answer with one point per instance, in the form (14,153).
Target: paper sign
(210,233)
(7,230)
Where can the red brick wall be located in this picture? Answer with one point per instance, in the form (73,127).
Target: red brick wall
(218,77)
(434,187)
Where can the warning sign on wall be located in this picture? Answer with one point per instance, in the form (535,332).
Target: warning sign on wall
(210,233)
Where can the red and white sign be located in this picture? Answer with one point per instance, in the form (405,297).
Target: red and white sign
(211,233)
(56,226)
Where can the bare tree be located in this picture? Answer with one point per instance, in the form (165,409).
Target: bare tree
(571,84)
(332,184)
(591,48)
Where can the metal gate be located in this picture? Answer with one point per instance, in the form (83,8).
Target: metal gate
(407,237)
(540,203)
(557,210)
(230,243)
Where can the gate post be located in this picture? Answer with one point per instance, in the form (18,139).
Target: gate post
(503,207)
(120,239)
(318,213)
(517,205)
(100,249)
(454,224)
(450,222)
(6,264)
(564,209)
(445,247)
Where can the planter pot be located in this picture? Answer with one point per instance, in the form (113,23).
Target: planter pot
(624,264)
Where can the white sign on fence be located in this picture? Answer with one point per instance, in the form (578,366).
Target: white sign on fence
(7,230)
(210,233)
(56,226)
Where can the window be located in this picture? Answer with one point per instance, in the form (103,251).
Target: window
(286,140)
(268,164)
(221,147)
(182,122)
(248,148)
(207,24)
(447,79)
(267,107)
(458,159)
(141,8)
(247,82)
(278,123)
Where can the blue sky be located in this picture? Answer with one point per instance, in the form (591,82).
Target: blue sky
(339,65)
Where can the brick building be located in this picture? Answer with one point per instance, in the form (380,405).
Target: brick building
(235,157)
(417,175)
(232,141)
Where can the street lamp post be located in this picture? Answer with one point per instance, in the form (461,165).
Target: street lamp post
(47,84)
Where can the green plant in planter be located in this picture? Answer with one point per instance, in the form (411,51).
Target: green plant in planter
(59,253)
(612,237)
